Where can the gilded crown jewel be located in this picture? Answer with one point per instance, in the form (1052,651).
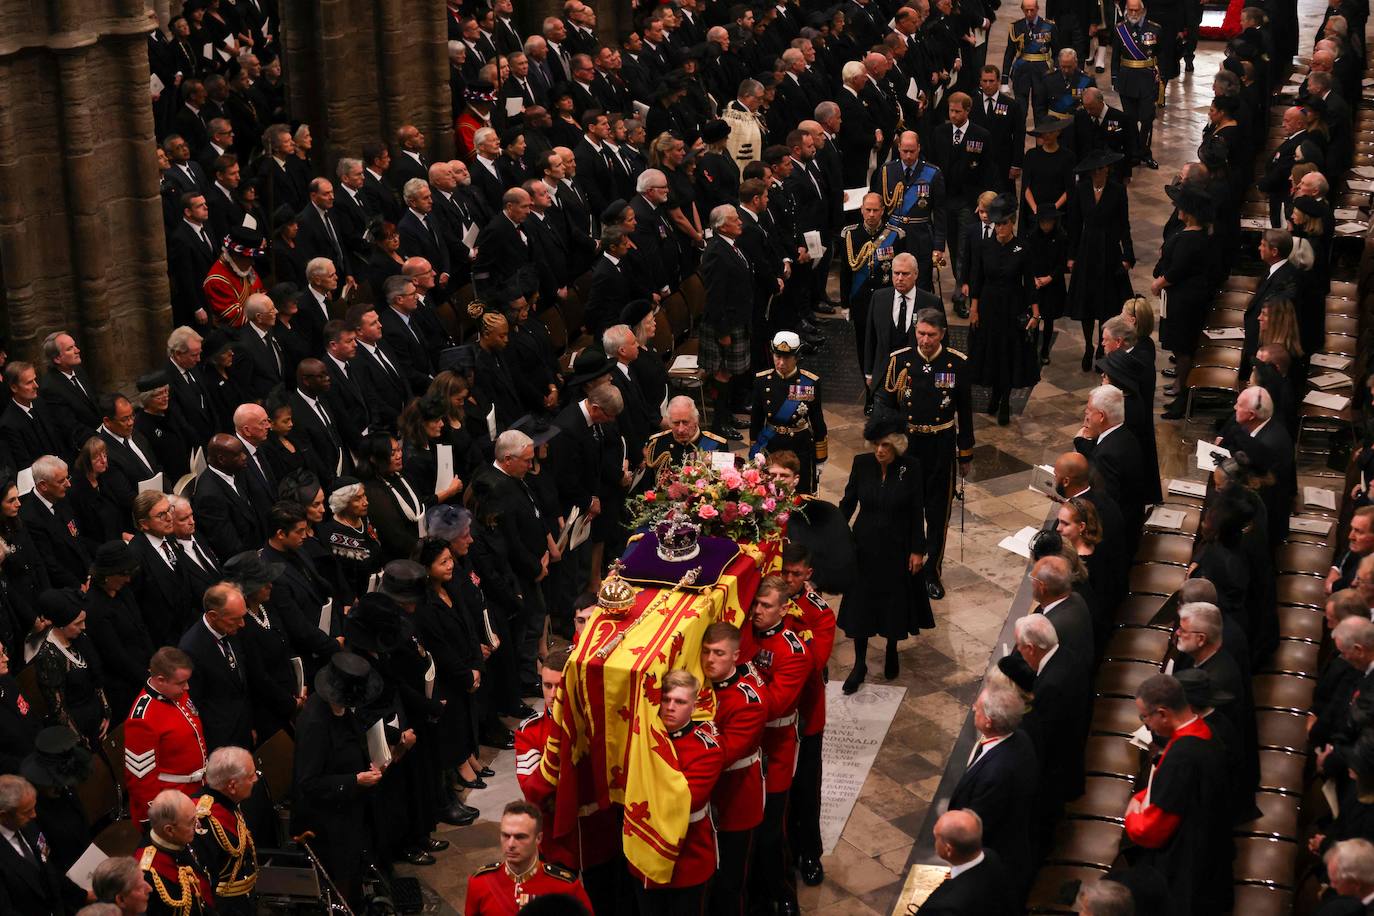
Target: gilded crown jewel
(616,595)
(677,537)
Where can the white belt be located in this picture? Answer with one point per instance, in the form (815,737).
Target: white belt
(783,722)
(699,814)
(744,762)
(197,776)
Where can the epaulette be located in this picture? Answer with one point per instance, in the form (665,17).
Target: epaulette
(750,694)
(559,872)
(1049,20)
(816,599)
(149,853)
(851,227)
(140,707)
(487,869)
(901,351)
(956,352)
(708,736)
(811,375)
(763,373)
(530,720)
(794,641)
(718,438)
(203,805)
(660,435)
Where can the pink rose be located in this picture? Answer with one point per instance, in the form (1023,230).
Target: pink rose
(770,504)
(707,512)
(751,476)
(760,491)
(745,509)
(677,491)
(701,483)
(731,479)
(783,517)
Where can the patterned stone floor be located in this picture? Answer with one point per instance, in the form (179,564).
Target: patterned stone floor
(942,669)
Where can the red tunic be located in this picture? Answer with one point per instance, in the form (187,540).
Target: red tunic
(784,664)
(226,292)
(225,844)
(597,838)
(741,711)
(180,886)
(817,626)
(1152,826)
(699,759)
(164,748)
(494,890)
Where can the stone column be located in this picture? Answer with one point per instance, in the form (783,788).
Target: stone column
(359,69)
(81,237)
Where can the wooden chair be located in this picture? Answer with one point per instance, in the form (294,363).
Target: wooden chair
(1325,538)
(1294,657)
(274,759)
(1340,306)
(1281,772)
(1300,623)
(1056,887)
(1104,798)
(1233,299)
(694,291)
(558,329)
(1241,282)
(1134,644)
(1115,716)
(1093,843)
(1281,730)
(98,794)
(1283,693)
(1262,900)
(1221,317)
(1342,324)
(122,838)
(1301,591)
(1217,357)
(1278,817)
(1304,559)
(1222,383)
(1120,679)
(1141,611)
(1112,755)
(1169,549)
(1265,860)
(1341,344)
(1155,579)
(1346,289)
(674,307)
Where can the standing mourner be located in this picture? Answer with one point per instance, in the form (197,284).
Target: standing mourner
(1030,57)
(913,193)
(867,249)
(1135,75)
(1048,173)
(787,412)
(1101,254)
(1183,282)
(725,324)
(1004,312)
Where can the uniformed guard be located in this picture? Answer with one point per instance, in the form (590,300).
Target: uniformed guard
(927,385)
(787,412)
(913,195)
(1029,56)
(180,882)
(164,742)
(867,248)
(232,279)
(683,439)
(503,888)
(1135,74)
(1064,88)
(223,841)
(737,800)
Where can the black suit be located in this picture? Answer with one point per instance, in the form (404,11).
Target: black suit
(979,891)
(494,384)
(1000,786)
(856,137)
(1074,623)
(609,291)
(403,168)
(166,595)
(386,391)
(379,198)
(347,404)
(595,175)
(1270,449)
(219,686)
(263,364)
(1117,459)
(126,469)
(1005,122)
(1280,284)
(550,252)
(882,335)
(503,261)
(408,346)
(185,183)
(487,184)
(327,452)
(190,405)
(57,538)
(226,516)
(1058,724)
(424,240)
(314,239)
(32,885)
(28,437)
(350,221)
(189,259)
(73,407)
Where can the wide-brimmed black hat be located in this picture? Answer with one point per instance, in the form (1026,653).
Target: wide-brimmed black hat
(1049,215)
(113,558)
(215,343)
(459,359)
(404,581)
(348,680)
(1001,210)
(1197,687)
(1123,369)
(375,624)
(1192,198)
(1050,126)
(635,311)
(539,429)
(251,571)
(61,605)
(879,426)
(1098,159)
(1018,670)
(152,381)
(58,759)
(588,366)
(715,131)
(1310,206)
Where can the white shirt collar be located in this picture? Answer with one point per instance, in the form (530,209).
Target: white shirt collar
(42,499)
(1046,608)
(1275,266)
(1107,432)
(412,155)
(252,449)
(957,870)
(1048,655)
(226,478)
(1255,432)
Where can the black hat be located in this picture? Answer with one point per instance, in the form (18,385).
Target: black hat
(404,581)
(715,131)
(245,242)
(61,605)
(768,78)
(539,429)
(281,293)
(58,759)
(636,310)
(588,366)
(375,624)
(1197,687)
(251,571)
(1316,105)
(341,482)
(282,217)
(152,381)
(348,680)
(1046,542)
(458,358)
(1001,210)
(1049,215)
(1310,206)
(878,426)
(1018,670)
(1050,126)
(1098,159)
(1192,198)
(113,558)
(215,343)
(615,211)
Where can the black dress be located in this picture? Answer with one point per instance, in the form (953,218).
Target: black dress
(447,632)
(395,509)
(357,551)
(886,600)
(1099,239)
(70,682)
(1185,263)
(98,517)
(1047,176)
(115,625)
(1049,254)
(1001,350)
(25,572)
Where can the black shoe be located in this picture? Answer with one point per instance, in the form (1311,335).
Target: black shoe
(486,772)
(416,857)
(961,309)
(729,434)
(992,408)
(1171,390)
(824,308)
(786,908)
(458,815)
(470,783)
(890,663)
(1188,66)
(1169,373)
(856,677)
(806,326)
(1044,359)
(522,712)
(1173,411)
(1150,162)
(808,349)
(934,589)
(1087,360)
(504,742)
(436,845)
(812,873)
(1004,413)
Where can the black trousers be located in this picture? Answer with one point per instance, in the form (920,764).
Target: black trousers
(609,886)
(671,901)
(1140,121)
(936,452)
(728,886)
(770,878)
(804,802)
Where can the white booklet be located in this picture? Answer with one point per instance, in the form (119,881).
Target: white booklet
(687,362)
(1019,543)
(1320,497)
(326,615)
(152,483)
(377,747)
(1164,517)
(1188,488)
(1331,360)
(1309,525)
(1225,333)
(1329,380)
(1329,401)
(443,463)
(1207,455)
(1042,481)
(82,868)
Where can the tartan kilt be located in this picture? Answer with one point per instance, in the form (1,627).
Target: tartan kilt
(712,357)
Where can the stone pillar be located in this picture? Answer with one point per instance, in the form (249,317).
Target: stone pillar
(81,237)
(359,69)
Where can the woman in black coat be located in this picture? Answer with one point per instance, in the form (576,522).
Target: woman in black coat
(421,425)
(1048,245)
(115,625)
(1100,245)
(393,505)
(19,721)
(889,597)
(1184,276)
(98,516)
(1003,310)
(23,569)
(1046,172)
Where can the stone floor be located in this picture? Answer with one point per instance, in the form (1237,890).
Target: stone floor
(942,669)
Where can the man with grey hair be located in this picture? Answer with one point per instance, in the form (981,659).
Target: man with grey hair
(684,437)
(423,234)
(319,235)
(67,390)
(410,347)
(1052,586)
(654,235)
(118,881)
(1254,431)
(977,881)
(189,395)
(1104,897)
(1354,640)
(639,419)
(728,317)
(260,360)
(1119,334)
(502,271)
(29,881)
(1115,452)
(47,514)
(28,427)
(223,839)
(169,862)
(999,783)
(1201,645)
(1350,869)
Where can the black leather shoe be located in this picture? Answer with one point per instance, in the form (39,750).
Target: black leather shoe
(1044,359)
(807,326)
(486,772)
(1004,413)
(1169,373)
(417,857)
(1087,360)
(1151,163)
(458,815)
(856,677)
(471,783)
(812,873)
(729,434)
(522,712)
(500,742)
(435,845)
(961,309)
(1172,412)
(1171,390)
(891,666)
(787,908)
(934,589)
(823,308)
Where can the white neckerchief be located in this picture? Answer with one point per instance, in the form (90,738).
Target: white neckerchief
(411,507)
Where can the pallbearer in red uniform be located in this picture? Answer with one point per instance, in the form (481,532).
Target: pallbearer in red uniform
(784,663)
(232,279)
(223,841)
(180,882)
(503,888)
(816,625)
(699,759)
(737,800)
(164,744)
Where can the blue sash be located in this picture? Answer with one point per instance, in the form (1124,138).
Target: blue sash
(884,243)
(784,415)
(911,195)
(1128,42)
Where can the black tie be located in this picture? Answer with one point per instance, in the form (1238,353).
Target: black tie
(28,850)
(987,232)
(228,652)
(977,752)
(333,239)
(901,315)
(908,175)
(206,239)
(987,105)
(170,554)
